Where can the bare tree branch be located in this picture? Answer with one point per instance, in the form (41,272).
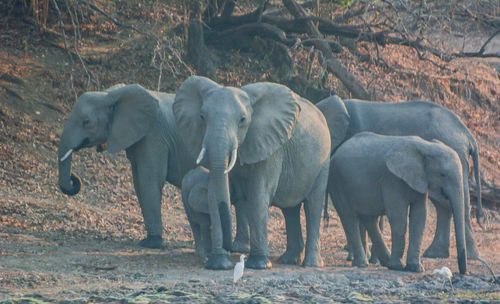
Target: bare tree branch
(333,64)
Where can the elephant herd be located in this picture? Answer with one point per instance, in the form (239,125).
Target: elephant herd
(262,145)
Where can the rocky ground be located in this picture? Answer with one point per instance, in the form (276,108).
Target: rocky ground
(83,249)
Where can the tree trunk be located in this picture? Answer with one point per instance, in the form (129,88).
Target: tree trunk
(197,52)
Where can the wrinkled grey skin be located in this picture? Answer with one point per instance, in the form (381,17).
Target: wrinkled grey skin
(347,118)
(141,122)
(194,191)
(372,175)
(281,144)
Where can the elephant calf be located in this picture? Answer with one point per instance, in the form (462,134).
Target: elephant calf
(372,175)
(195,199)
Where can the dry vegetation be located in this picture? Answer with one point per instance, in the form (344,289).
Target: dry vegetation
(54,247)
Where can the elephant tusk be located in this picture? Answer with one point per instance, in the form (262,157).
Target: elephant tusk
(234,155)
(202,154)
(66,155)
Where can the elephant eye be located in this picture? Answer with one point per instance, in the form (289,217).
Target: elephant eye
(202,117)
(86,122)
(242,120)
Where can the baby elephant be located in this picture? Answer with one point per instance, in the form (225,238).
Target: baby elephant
(372,175)
(195,199)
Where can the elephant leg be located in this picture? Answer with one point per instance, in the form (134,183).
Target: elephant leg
(196,230)
(350,223)
(472,251)
(257,219)
(373,256)
(418,213)
(313,207)
(294,253)
(206,240)
(379,249)
(363,234)
(148,184)
(440,246)
(397,213)
(199,247)
(242,239)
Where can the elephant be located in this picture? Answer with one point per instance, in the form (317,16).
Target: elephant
(282,143)
(347,118)
(141,122)
(372,175)
(194,191)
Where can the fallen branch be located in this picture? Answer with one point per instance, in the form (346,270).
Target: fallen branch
(490,193)
(242,36)
(335,46)
(227,20)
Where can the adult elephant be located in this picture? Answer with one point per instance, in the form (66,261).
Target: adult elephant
(283,146)
(141,122)
(347,118)
(372,175)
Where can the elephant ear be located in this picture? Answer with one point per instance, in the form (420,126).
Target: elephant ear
(275,112)
(135,111)
(337,118)
(186,108)
(407,163)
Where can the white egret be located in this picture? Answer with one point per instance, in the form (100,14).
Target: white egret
(238,269)
(444,272)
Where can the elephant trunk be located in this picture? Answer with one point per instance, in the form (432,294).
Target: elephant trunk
(218,198)
(456,200)
(69,183)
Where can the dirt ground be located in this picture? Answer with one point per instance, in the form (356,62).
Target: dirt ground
(88,267)
(83,249)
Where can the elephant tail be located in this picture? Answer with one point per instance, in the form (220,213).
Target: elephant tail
(474,152)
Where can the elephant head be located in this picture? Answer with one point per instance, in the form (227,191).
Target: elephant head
(337,117)
(434,168)
(116,118)
(222,124)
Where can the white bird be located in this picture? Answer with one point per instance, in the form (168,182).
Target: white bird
(444,272)
(238,269)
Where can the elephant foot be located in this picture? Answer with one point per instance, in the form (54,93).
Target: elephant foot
(359,263)
(201,252)
(350,256)
(395,265)
(313,260)
(258,262)
(414,267)
(436,252)
(292,257)
(155,242)
(241,247)
(374,260)
(219,262)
